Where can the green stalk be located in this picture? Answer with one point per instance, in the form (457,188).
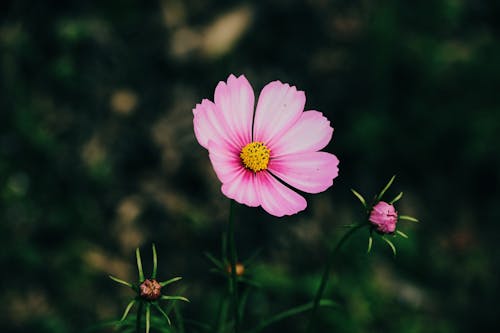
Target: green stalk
(232,258)
(138,318)
(326,274)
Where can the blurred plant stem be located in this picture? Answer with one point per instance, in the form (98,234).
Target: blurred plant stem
(138,319)
(233,284)
(326,273)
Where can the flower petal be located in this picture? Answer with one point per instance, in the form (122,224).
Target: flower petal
(311,132)
(243,188)
(235,100)
(207,124)
(311,172)
(225,160)
(279,107)
(276,198)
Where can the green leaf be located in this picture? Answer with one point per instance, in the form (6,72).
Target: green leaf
(148,316)
(163,313)
(359,196)
(155,262)
(164,283)
(370,242)
(127,309)
(393,248)
(386,188)
(402,234)
(408,218)
(291,312)
(125,283)
(399,196)
(174,298)
(139,265)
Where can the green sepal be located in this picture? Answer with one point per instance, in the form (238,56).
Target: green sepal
(399,196)
(402,234)
(164,283)
(148,316)
(155,262)
(381,194)
(393,248)
(139,265)
(360,197)
(127,310)
(408,218)
(214,260)
(174,298)
(164,314)
(125,283)
(370,243)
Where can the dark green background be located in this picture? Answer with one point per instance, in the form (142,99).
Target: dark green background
(98,156)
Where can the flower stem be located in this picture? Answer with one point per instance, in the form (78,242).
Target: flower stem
(326,273)
(138,318)
(232,259)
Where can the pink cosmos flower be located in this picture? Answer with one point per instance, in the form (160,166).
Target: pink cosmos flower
(384,217)
(254,154)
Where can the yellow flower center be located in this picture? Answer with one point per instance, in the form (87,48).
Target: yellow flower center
(255,156)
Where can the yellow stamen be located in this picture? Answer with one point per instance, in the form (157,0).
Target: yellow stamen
(255,156)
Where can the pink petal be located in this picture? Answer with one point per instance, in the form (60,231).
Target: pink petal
(225,160)
(311,172)
(243,188)
(278,108)
(276,198)
(311,132)
(207,124)
(235,100)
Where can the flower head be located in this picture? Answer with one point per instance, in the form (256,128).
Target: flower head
(384,217)
(254,154)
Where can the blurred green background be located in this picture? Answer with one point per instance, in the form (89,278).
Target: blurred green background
(98,157)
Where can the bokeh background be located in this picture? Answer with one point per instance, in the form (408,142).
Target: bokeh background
(98,157)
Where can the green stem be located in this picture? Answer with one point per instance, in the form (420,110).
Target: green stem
(232,258)
(289,313)
(138,318)
(326,274)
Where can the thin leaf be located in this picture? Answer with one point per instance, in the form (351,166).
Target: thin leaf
(148,316)
(214,260)
(291,312)
(125,283)
(393,248)
(370,242)
(386,188)
(139,265)
(399,196)
(402,234)
(163,313)
(127,309)
(408,218)
(164,283)
(359,196)
(155,262)
(174,298)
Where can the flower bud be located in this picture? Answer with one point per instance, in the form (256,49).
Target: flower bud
(384,217)
(240,269)
(150,289)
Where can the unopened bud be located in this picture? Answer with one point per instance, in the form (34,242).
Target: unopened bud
(240,269)
(384,217)
(150,290)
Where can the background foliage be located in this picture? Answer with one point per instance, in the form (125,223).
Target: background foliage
(98,156)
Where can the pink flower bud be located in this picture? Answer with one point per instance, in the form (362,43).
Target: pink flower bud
(384,217)
(150,290)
